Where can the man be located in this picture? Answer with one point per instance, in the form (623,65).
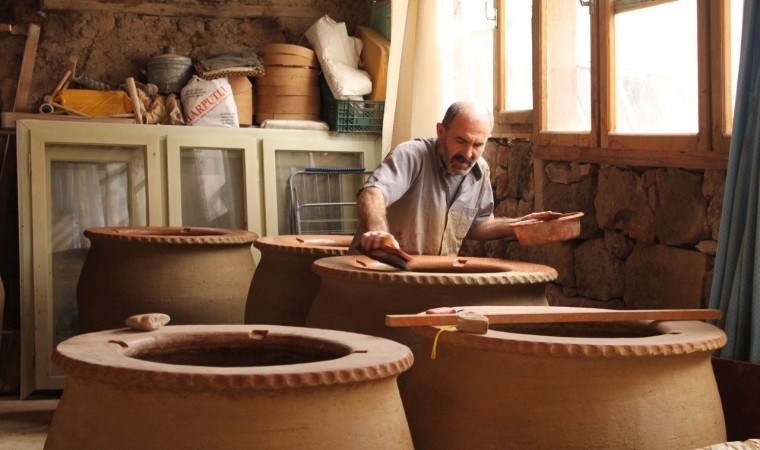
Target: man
(429,194)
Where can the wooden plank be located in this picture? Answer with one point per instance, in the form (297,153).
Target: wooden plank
(662,157)
(21,102)
(229,10)
(423,320)
(9,119)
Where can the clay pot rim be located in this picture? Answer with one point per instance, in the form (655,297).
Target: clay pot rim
(531,232)
(360,267)
(675,338)
(306,244)
(104,356)
(171,235)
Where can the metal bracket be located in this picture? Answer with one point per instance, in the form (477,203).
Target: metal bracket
(490,12)
(590,4)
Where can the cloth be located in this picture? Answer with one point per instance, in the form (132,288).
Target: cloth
(246,64)
(413,180)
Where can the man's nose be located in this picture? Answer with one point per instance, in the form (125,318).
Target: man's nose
(469,152)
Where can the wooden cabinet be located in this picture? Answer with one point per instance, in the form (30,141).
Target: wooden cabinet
(72,176)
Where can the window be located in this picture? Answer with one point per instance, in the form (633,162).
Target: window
(655,72)
(640,82)
(472,41)
(516,68)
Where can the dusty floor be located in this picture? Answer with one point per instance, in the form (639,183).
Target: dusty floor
(24,423)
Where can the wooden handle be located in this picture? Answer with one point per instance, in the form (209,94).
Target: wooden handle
(424,320)
(132,89)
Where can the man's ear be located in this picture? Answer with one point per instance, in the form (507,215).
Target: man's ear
(439,130)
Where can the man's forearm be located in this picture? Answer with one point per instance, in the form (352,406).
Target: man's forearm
(501,227)
(370,206)
(495,228)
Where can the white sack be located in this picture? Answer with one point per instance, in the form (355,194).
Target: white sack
(209,103)
(338,55)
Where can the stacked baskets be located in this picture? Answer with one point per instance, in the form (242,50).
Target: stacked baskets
(289,90)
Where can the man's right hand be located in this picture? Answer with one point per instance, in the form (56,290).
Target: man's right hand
(376,240)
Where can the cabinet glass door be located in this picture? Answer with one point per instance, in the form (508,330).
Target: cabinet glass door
(68,183)
(217,182)
(325,213)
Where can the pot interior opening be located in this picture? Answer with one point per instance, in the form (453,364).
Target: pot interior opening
(581,329)
(241,353)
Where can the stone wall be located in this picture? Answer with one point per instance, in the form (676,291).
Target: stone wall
(648,236)
(113,46)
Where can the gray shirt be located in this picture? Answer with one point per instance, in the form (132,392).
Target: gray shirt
(415,184)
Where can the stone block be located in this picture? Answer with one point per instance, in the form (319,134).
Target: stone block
(623,203)
(681,209)
(598,274)
(663,277)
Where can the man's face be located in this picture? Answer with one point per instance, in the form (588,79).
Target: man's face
(462,143)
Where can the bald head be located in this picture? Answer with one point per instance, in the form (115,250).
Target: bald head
(471,111)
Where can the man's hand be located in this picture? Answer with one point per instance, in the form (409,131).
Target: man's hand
(376,240)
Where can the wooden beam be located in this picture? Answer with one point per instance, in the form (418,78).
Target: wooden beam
(232,9)
(641,158)
(21,102)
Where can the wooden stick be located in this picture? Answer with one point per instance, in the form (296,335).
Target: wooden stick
(21,101)
(132,89)
(424,320)
(59,87)
(68,110)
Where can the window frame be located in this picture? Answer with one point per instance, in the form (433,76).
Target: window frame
(707,149)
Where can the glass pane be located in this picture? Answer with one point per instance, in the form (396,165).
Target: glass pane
(84,195)
(473,52)
(213,189)
(518,55)
(568,76)
(656,69)
(737,14)
(329,190)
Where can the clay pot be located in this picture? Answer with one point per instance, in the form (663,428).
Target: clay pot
(611,385)
(284,285)
(195,275)
(230,386)
(540,232)
(357,292)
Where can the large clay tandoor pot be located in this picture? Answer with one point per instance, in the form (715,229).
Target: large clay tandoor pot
(195,275)
(606,385)
(230,387)
(357,292)
(284,285)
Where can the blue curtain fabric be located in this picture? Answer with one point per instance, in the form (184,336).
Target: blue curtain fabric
(736,284)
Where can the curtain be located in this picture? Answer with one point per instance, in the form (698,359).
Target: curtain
(417,60)
(441,51)
(736,283)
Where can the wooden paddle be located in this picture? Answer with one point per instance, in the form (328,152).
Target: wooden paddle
(602,315)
